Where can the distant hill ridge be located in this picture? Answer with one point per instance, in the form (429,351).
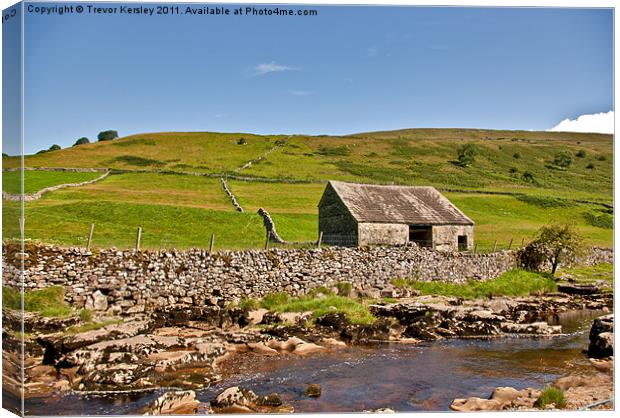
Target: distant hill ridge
(506,160)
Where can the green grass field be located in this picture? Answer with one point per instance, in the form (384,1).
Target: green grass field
(37,180)
(178,210)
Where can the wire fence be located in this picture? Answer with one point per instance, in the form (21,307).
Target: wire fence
(139,238)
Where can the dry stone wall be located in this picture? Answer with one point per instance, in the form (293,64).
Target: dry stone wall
(135,281)
(40,193)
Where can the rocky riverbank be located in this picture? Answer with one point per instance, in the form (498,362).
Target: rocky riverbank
(590,389)
(183,348)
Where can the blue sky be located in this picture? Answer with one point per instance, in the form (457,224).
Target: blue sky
(349,69)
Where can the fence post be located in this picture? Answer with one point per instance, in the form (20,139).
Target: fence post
(267,241)
(522,242)
(475,247)
(90,236)
(318,244)
(212,243)
(495,246)
(510,244)
(138,238)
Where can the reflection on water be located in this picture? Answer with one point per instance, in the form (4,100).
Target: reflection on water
(424,377)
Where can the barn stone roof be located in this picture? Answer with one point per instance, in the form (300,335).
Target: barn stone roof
(422,205)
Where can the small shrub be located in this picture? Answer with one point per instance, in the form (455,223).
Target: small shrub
(340,151)
(516,155)
(531,257)
(528,177)
(563,159)
(600,220)
(551,395)
(4,155)
(107,135)
(601,158)
(466,154)
(55,147)
(590,166)
(242,141)
(581,153)
(83,140)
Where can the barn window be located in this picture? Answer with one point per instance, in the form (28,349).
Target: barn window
(421,235)
(462,240)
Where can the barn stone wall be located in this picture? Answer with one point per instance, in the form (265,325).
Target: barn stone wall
(137,281)
(445,237)
(336,223)
(380,233)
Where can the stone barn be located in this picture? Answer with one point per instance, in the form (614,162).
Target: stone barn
(352,214)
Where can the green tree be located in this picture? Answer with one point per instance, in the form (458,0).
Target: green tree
(467,154)
(54,147)
(563,159)
(559,243)
(82,140)
(107,135)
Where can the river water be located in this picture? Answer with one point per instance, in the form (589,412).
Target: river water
(404,377)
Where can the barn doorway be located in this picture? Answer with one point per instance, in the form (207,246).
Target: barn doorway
(421,235)
(462,241)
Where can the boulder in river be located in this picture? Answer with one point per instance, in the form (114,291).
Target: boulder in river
(313,390)
(241,400)
(174,403)
(602,337)
(234,399)
(501,398)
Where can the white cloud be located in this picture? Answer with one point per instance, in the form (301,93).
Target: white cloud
(272,67)
(372,51)
(300,92)
(597,123)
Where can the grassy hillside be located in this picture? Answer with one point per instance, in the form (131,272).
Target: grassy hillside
(416,156)
(179,210)
(37,180)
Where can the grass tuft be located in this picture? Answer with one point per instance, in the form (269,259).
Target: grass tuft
(551,395)
(248,304)
(91,326)
(319,302)
(48,302)
(512,283)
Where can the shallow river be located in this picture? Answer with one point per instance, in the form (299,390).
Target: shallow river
(422,377)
